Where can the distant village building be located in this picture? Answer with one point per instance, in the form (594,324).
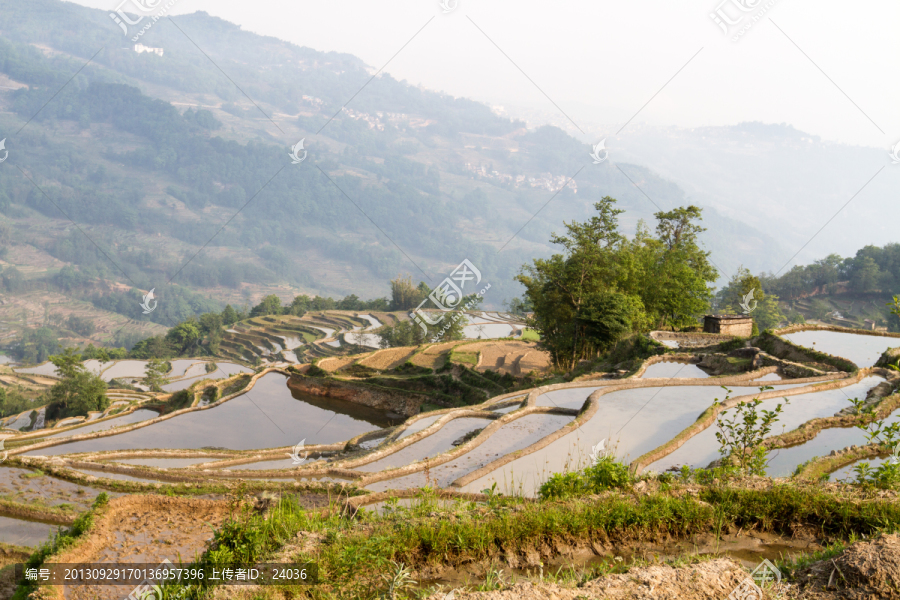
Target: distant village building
(140,48)
(870,324)
(739,325)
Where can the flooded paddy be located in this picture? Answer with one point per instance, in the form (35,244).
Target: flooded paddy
(162,463)
(674,370)
(47,368)
(265,465)
(125,368)
(513,436)
(864,350)
(487,330)
(21,422)
(846,473)
(629,431)
(141,414)
(421,424)
(785,460)
(429,447)
(770,377)
(223,370)
(23,485)
(118,476)
(24,533)
(369,340)
(268,416)
(703,448)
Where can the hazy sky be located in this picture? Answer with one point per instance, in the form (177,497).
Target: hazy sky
(600,62)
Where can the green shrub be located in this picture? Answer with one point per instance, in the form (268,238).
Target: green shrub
(607,473)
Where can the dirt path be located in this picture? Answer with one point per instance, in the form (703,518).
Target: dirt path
(143,529)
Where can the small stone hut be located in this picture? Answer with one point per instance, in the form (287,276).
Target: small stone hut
(739,325)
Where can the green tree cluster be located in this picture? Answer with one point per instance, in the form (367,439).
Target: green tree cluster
(605,285)
(78,391)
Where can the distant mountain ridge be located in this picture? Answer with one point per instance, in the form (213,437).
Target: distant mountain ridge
(154,181)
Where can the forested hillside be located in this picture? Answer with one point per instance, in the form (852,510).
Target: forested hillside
(136,172)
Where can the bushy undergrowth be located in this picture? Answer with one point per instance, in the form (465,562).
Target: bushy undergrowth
(605,474)
(355,554)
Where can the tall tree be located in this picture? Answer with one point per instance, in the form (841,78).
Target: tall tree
(78,391)
(405,295)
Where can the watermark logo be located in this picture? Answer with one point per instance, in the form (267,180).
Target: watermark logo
(745,303)
(147,590)
(449,5)
(766,573)
(600,147)
(448,296)
(140,9)
(148,297)
(895,153)
(295,453)
(3,453)
(6,152)
(895,455)
(751,588)
(746,590)
(733,16)
(599,451)
(296,159)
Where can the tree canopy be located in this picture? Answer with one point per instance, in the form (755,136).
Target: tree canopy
(605,285)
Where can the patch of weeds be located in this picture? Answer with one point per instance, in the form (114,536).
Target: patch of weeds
(408,368)
(792,566)
(357,370)
(605,474)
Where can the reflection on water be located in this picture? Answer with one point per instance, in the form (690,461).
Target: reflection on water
(674,370)
(163,463)
(141,414)
(268,416)
(513,436)
(785,460)
(423,423)
(846,473)
(431,446)
(24,533)
(703,448)
(282,463)
(223,370)
(864,350)
(632,421)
